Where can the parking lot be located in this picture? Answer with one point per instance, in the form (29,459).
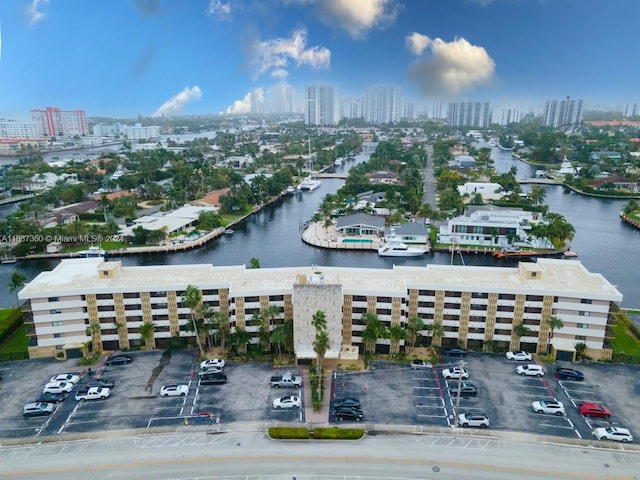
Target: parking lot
(134,401)
(389,393)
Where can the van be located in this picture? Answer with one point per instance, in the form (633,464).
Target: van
(213,378)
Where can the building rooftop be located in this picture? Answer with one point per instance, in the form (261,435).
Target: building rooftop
(79,276)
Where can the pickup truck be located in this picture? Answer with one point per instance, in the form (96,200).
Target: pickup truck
(93,393)
(286,381)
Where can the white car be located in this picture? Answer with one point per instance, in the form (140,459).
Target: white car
(418,364)
(613,433)
(212,362)
(93,393)
(519,356)
(58,387)
(473,420)
(530,370)
(550,407)
(65,377)
(455,372)
(175,390)
(290,401)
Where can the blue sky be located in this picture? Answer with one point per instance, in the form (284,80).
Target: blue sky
(124,58)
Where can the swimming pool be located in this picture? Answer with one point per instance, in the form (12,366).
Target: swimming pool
(357,240)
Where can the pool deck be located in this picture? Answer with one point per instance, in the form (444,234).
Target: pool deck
(315,234)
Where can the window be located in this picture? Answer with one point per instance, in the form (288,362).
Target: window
(584,314)
(106,308)
(130,295)
(58,335)
(104,296)
(55,311)
(582,325)
(53,299)
(588,301)
(534,274)
(157,294)
(57,323)
(581,338)
(479,295)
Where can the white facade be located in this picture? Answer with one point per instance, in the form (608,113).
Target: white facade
(12,129)
(487,227)
(489,191)
(54,122)
(383,104)
(322,105)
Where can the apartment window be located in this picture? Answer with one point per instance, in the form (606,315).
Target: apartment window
(584,314)
(359,298)
(534,298)
(581,337)
(479,295)
(55,311)
(453,294)
(588,301)
(252,299)
(384,300)
(58,335)
(582,325)
(104,296)
(132,307)
(157,294)
(130,295)
(276,298)
(57,323)
(53,299)
(106,308)
(534,274)
(209,292)
(427,293)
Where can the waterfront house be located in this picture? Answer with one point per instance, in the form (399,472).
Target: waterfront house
(488,190)
(360,224)
(382,177)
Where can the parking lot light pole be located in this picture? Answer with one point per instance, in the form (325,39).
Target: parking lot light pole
(457,410)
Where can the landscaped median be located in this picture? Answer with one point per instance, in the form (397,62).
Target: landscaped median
(303,433)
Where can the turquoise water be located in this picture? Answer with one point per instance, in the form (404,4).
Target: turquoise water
(357,240)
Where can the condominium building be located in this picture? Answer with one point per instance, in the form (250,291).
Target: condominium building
(469,114)
(54,122)
(565,113)
(383,104)
(13,129)
(106,303)
(352,107)
(322,105)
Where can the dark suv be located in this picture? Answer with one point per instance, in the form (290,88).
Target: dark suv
(466,390)
(346,402)
(569,374)
(213,378)
(348,413)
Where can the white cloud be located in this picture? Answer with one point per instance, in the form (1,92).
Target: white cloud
(219,10)
(175,104)
(452,67)
(32,12)
(417,43)
(357,17)
(244,106)
(280,73)
(275,55)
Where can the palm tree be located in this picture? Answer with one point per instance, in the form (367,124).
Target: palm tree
(279,338)
(220,322)
(93,331)
(254,262)
(372,332)
(436,331)
(519,331)
(319,321)
(553,322)
(16,283)
(146,334)
(396,333)
(240,339)
(537,194)
(631,207)
(320,345)
(415,325)
(192,299)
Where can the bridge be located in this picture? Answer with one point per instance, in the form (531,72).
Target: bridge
(330,175)
(540,181)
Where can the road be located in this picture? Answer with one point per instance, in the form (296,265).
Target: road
(252,455)
(429,179)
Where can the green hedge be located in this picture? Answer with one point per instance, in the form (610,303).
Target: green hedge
(10,321)
(289,432)
(336,433)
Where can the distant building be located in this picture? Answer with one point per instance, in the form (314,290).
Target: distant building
(322,105)
(488,191)
(469,114)
(13,129)
(353,107)
(54,122)
(566,113)
(383,104)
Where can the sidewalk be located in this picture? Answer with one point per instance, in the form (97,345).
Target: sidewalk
(321,417)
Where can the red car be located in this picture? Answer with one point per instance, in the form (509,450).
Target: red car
(594,410)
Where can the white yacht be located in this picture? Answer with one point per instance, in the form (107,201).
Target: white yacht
(338,161)
(309,184)
(92,252)
(396,248)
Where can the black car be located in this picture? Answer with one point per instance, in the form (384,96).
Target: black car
(102,382)
(51,397)
(466,390)
(346,402)
(119,360)
(454,352)
(213,378)
(348,413)
(569,374)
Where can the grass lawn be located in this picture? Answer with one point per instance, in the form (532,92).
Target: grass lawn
(624,341)
(5,313)
(16,342)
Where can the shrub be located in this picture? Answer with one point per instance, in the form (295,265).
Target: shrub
(90,360)
(289,432)
(336,433)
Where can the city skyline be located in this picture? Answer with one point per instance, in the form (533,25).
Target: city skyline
(124,59)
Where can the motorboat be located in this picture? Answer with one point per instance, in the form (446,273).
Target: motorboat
(569,254)
(92,252)
(291,189)
(309,184)
(396,248)
(511,251)
(338,161)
